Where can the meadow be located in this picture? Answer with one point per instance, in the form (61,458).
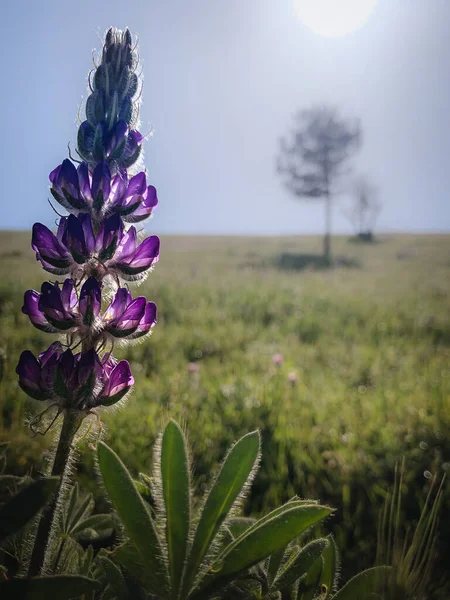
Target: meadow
(362,381)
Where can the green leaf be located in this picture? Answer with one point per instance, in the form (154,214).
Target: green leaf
(96,522)
(265,537)
(308,586)
(81,512)
(115,579)
(237,525)
(298,565)
(130,559)
(61,587)
(175,484)
(236,469)
(134,514)
(328,579)
(365,585)
(274,564)
(23,506)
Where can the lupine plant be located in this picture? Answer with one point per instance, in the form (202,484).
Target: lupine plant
(160,542)
(98,254)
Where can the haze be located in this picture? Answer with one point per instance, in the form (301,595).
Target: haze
(222,81)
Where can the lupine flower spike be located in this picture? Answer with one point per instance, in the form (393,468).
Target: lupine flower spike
(98,250)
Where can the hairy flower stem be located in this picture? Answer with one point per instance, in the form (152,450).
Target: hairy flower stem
(71,424)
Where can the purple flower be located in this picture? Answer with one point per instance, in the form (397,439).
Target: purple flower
(77,381)
(66,188)
(118,145)
(75,243)
(129,318)
(36,375)
(72,245)
(100,193)
(132,260)
(117,381)
(54,256)
(54,309)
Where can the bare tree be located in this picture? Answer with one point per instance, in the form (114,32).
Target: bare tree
(364,207)
(313,158)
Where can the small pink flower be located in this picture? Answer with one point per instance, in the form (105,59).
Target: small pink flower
(277,359)
(193,368)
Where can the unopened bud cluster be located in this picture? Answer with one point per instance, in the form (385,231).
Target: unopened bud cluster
(95,247)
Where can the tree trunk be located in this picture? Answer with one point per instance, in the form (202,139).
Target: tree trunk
(327,236)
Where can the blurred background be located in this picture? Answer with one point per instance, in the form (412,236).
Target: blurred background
(299,149)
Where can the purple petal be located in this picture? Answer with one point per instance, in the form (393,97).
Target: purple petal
(68,296)
(54,350)
(48,247)
(61,228)
(117,306)
(118,384)
(118,190)
(127,245)
(29,371)
(133,142)
(132,315)
(110,234)
(146,253)
(84,181)
(69,179)
(30,379)
(148,321)
(55,177)
(88,366)
(89,236)
(137,185)
(101,184)
(30,308)
(145,209)
(90,300)
(117,138)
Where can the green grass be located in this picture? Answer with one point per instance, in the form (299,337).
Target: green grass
(369,342)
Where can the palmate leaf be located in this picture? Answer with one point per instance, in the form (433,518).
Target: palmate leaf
(365,585)
(135,516)
(176,493)
(26,504)
(232,478)
(299,564)
(268,535)
(61,587)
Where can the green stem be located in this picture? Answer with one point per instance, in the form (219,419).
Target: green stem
(71,423)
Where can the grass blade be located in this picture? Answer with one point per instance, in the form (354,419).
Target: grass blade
(176,494)
(134,515)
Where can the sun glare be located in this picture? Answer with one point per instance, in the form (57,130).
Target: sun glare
(334,18)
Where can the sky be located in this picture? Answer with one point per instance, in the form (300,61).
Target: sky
(222,81)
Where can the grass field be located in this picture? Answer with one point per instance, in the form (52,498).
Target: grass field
(365,379)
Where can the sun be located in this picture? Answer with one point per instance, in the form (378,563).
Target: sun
(334,18)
